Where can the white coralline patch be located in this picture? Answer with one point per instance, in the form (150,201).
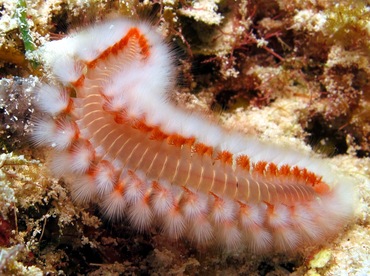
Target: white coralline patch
(204,11)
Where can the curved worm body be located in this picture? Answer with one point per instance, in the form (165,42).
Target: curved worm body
(121,143)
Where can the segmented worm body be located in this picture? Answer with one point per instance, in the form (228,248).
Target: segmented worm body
(120,142)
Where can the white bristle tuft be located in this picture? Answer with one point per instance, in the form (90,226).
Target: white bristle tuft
(161,200)
(53,100)
(135,188)
(251,219)
(258,239)
(278,216)
(115,103)
(83,189)
(223,210)
(66,133)
(194,204)
(201,230)
(285,239)
(140,214)
(82,157)
(67,69)
(44,132)
(328,223)
(333,210)
(174,222)
(229,235)
(60,164)
(104,178)
(251,214)
(114,205)
(305,223)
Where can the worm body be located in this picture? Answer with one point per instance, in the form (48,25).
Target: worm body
(121,143)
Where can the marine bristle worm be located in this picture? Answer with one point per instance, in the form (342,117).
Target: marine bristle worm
(121,143)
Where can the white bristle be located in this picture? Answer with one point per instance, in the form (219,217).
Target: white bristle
(223,210)
(285,238)
(201,230)
(135,188)
(115,103)
(140,214)
(252,214)
(327,224)
(305,223)
(44,132)
(104,178)
(114,205)
(258,239)
(229,235)
(60,164)
(278,216)
(194,204)
(53,100)
(66,69)
(66,133)
(82,157)
(161,200)
(83,189)
(174,222)
(333,210)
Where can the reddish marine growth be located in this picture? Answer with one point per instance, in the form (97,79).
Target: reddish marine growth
(121,143)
